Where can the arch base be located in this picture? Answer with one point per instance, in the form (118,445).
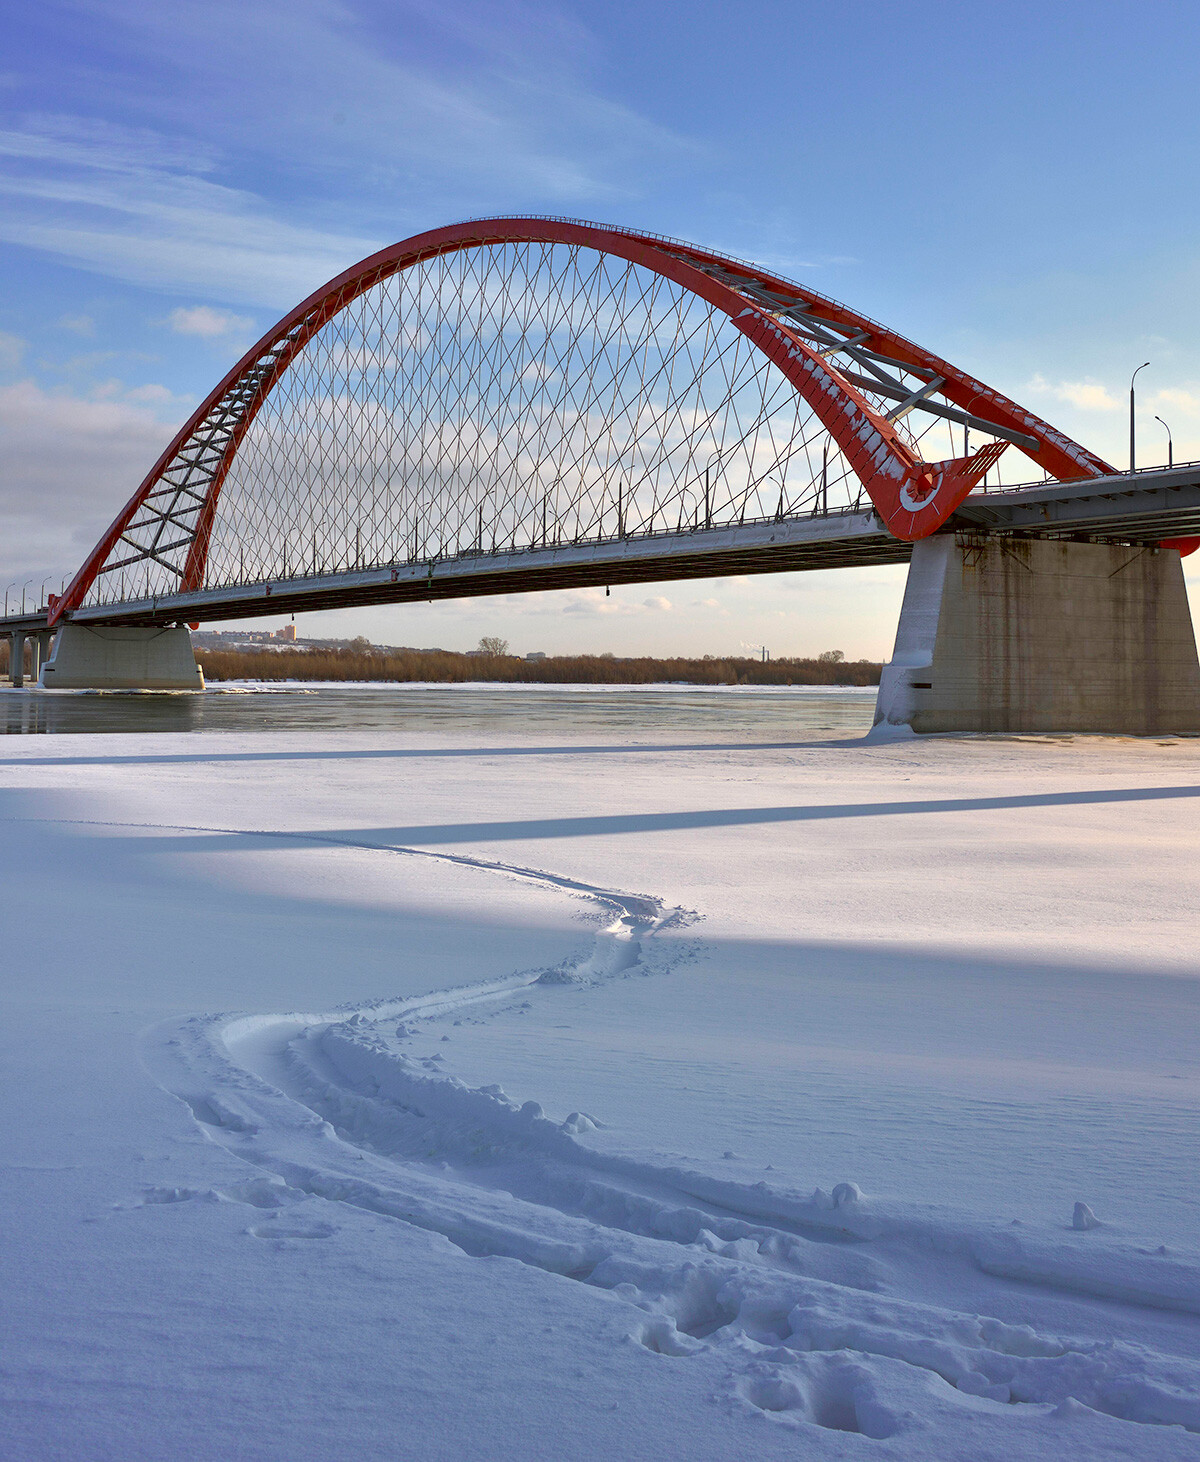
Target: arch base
(1002,634)
(122,659)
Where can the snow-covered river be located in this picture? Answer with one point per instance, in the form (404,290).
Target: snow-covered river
(602,1075)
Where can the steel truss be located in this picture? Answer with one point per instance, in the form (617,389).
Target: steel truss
(510,384)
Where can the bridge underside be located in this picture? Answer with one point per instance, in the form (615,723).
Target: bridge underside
(840,541)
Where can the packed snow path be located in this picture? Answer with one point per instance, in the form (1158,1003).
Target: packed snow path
(608,1278)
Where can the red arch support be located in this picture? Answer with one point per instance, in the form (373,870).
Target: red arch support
(914,498)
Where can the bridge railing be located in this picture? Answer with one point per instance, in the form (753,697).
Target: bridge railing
(1092,484)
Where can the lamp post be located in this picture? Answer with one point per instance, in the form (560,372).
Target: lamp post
(1170,441)
(1132,436)
(708,498)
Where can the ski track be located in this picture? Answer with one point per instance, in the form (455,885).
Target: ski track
(783,1288)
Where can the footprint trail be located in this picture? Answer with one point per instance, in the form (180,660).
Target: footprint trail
(787,1290)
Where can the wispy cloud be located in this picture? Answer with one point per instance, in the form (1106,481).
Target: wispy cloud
(124,211)
(391,121)
(408,92)
(98,144)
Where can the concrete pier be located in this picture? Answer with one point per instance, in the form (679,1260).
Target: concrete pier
(122,659)
(1004,634)
(16,659)
(39,642)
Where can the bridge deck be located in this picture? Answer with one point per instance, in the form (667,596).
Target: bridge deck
(1144,507)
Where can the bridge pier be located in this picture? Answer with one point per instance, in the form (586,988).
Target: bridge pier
(1005,634)
(16,658)
(39,646)
(125,658)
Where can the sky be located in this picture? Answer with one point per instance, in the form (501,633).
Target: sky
(1010,185)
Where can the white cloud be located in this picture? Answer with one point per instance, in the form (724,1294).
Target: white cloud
(12,351)
(158,395)
(208,323)
(1175,399)
(69,465)
(78,324)
(1088,395)
(596,602)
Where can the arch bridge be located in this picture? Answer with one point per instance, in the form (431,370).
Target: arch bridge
(516,404)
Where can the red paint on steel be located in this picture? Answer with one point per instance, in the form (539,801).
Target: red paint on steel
(913,497)
(1184,545)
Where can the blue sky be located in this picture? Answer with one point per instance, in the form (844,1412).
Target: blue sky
(1011,185)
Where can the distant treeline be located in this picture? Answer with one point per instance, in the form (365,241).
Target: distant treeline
(447,665)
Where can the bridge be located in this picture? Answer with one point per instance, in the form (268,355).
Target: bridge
(518,404)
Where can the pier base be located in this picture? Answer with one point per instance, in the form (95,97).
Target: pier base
(122,659)
(1002,634)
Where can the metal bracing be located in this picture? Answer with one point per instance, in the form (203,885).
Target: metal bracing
(886,378)
(513,383)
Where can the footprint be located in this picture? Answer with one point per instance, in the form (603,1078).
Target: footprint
(291,1230)
(823,1391)
(661,1337)
(174,1195)
(259,1193)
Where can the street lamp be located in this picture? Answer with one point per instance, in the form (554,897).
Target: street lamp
(1170,442)
(712,457)
(1132,438)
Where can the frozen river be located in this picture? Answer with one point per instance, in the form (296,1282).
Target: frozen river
(653,711)
(558,1075)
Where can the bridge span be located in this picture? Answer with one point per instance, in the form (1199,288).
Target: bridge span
(522,404)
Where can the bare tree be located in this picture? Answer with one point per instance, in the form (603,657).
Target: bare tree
(493,645)
(830,657)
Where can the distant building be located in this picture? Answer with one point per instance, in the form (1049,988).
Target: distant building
(536,655)
(288,632)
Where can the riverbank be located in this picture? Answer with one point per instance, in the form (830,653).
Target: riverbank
(448,667)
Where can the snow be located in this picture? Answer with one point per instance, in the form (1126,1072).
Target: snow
(439,1094)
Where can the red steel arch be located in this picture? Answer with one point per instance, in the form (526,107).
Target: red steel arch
(913,497)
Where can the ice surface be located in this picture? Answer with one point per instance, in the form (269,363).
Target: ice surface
(439,1096)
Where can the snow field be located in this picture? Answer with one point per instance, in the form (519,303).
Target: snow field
(1000,927)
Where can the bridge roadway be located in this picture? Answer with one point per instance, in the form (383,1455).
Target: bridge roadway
(1141,508)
